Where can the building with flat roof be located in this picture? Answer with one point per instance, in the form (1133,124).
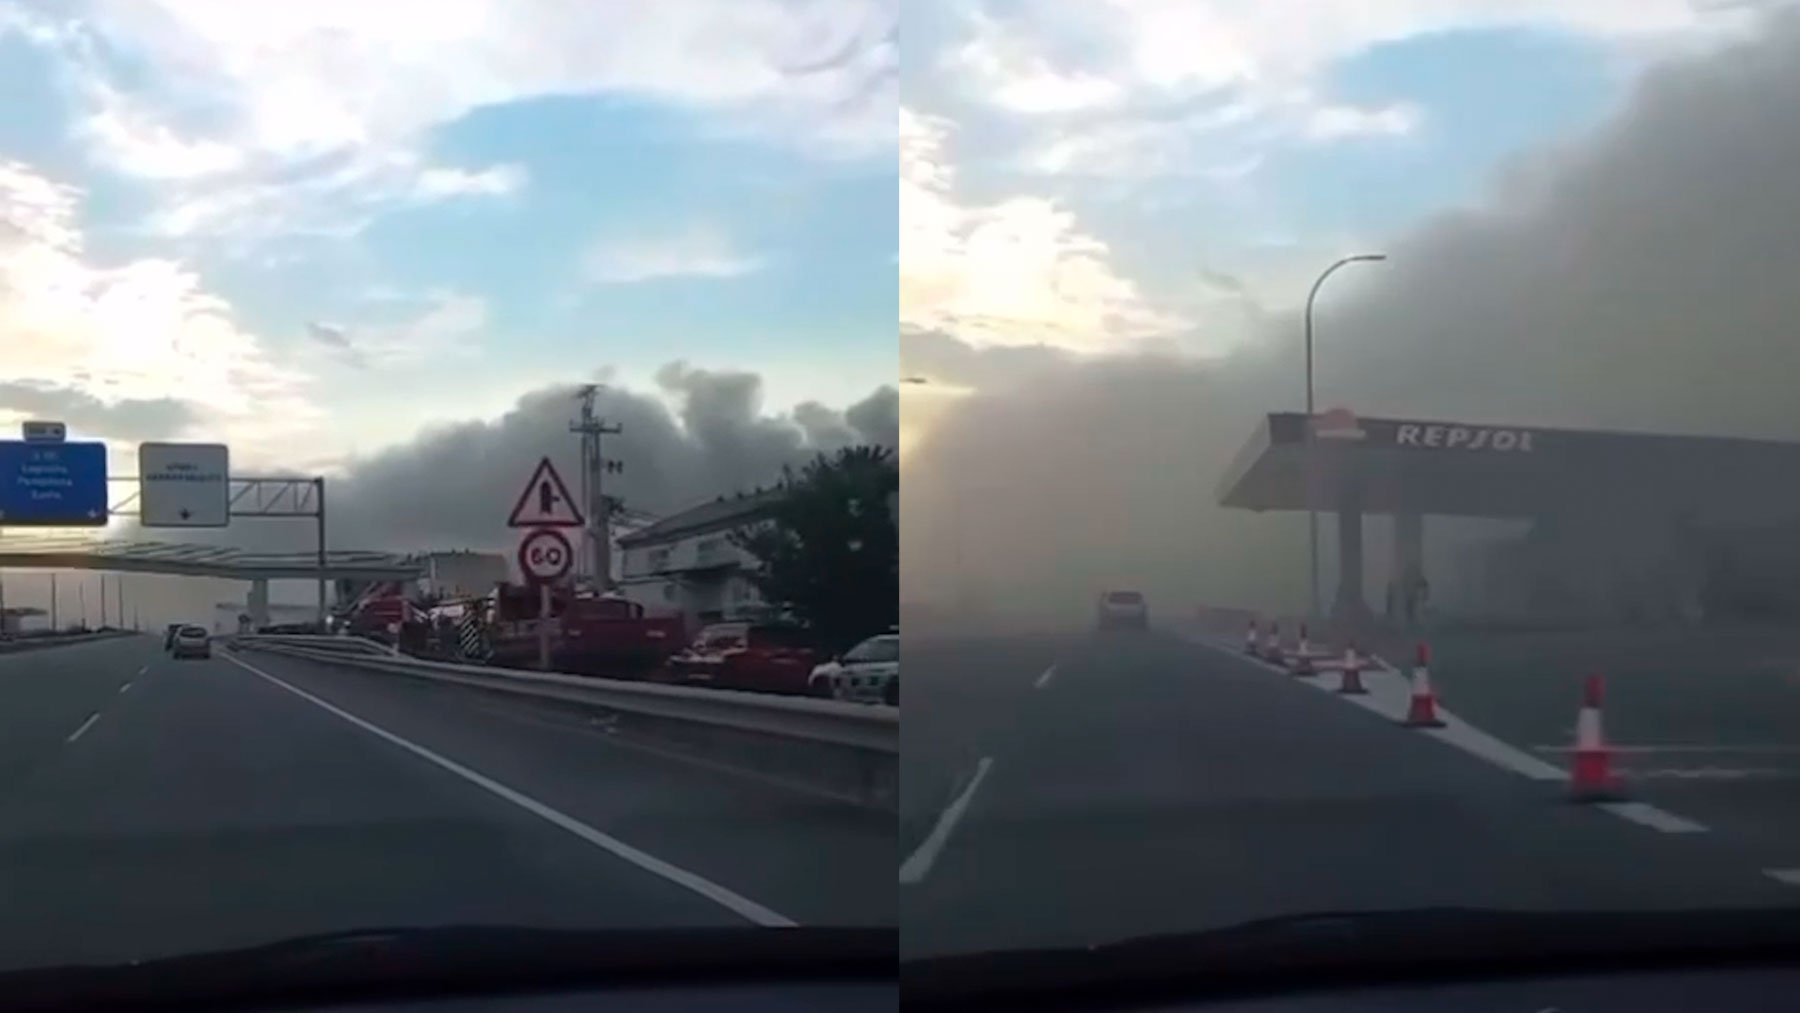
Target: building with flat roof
(686,563)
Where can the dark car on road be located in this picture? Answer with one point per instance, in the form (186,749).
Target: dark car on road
(169,636)
(1122,610)
(192,642)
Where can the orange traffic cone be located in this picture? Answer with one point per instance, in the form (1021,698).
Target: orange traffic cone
(1351,683)
(1272,643)
(1422,711)
(1303,661)
(1250,638)
(1591,778)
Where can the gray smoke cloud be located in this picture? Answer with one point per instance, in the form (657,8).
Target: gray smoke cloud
(453,485)
(1638,277)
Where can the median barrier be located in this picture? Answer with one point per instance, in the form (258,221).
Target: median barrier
(846,750)
(13,645)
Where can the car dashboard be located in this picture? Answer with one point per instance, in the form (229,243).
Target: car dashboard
(1714,990)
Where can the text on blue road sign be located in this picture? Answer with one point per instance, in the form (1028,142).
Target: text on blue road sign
(52,484)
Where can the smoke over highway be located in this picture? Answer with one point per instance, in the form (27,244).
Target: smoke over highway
(1637,277)
(452,486)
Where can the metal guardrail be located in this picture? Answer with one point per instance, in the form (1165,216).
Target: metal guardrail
(845,749)
(13,645)
(345,645)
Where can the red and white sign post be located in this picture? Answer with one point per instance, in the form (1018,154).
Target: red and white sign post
(545,555)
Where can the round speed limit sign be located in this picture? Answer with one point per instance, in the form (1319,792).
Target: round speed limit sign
(545,556)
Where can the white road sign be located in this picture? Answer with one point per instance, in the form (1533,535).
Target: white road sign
(184,485)
(545,556)
(545,502)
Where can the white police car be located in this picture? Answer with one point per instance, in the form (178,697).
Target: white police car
(866,673)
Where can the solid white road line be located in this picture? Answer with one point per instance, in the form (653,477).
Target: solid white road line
(1044,680)
(918,864)
(1652,817)
(124,687)
(725,898)
(1388,690)
(85,725)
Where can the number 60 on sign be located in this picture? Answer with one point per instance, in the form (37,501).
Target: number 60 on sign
(545,555)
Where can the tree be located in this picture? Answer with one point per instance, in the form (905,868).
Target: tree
(829,547)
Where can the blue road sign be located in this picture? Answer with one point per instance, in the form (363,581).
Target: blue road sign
(52,485)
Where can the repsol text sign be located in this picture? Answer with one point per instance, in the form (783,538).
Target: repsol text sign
(1491,439)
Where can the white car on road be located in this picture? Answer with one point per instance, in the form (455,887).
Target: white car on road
(867,673)
(1122,610)
(192,642)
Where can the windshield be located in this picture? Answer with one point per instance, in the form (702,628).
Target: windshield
(1434,383)
(335,343)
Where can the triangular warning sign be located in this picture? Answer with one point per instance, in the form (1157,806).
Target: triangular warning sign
(546,502)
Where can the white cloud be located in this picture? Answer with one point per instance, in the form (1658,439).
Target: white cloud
(142,330)
(1018,272)
(1331,122)
(338,200)
(449,325)
(125,135)
(493,182)
(1022,79)
(1247,73)
(335,98)
(696,253)
(1194,46)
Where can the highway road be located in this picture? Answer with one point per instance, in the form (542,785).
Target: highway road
(150,807)
(1704,723)
(1079,789)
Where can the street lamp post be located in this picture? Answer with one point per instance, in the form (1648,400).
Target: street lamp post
(1312,512)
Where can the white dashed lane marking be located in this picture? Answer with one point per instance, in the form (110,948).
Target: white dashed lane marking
(85,725)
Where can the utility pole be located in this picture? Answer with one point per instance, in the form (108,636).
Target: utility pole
(54,625)
(594,465)
(324,613)
(103,601)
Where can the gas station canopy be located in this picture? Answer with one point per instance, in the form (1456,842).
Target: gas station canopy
(1420,466)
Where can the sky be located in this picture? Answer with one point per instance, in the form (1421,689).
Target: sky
(1112,212)
(329,234)
(231,221)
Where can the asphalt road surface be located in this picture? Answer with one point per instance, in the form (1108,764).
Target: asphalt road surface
(1080,789)
(150,807)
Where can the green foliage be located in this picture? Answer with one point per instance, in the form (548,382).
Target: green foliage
(829,548)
